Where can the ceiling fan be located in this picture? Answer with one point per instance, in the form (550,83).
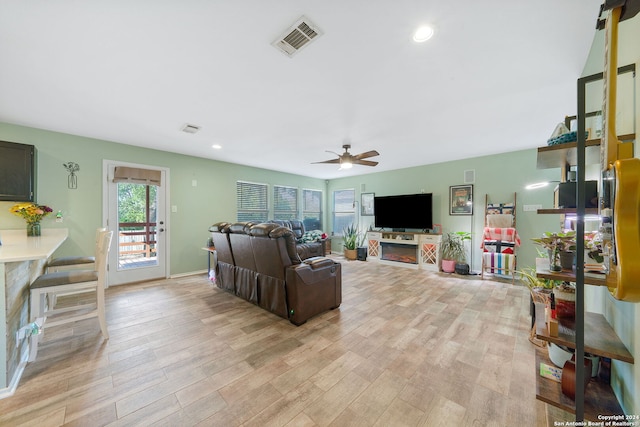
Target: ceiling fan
(346,160)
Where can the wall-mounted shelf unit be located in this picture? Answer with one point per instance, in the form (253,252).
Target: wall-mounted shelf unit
(600,341)
(598,398)
(566,276)
(558,156)
(588,332)
(567,211)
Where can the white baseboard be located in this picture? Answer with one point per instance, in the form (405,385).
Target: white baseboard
(192,273)
(13,385)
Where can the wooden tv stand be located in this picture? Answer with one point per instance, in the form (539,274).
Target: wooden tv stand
(411,250)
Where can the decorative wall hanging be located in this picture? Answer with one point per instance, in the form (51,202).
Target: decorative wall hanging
(366,204)
(461,200)
(72,168)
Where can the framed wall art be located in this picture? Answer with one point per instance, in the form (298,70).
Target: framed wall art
(461,200)
(366,204)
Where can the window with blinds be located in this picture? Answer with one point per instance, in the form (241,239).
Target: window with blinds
(312,209)
(252,201)
(344,211)
(285,202)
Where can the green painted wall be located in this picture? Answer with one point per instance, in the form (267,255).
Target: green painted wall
(212,200)
(498,176)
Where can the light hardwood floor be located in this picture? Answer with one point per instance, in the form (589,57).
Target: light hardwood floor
(406,348)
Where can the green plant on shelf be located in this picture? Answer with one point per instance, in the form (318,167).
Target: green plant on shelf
(529,276)
(555,243)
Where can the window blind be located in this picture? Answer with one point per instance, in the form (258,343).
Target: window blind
(137,175)
(252,201)
(285,202)
(312,209)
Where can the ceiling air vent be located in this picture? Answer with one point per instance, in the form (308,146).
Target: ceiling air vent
(297,37)
(190,128)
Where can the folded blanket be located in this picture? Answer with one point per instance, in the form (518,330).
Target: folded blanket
(498,263)
(503,234)
(500,220)
(498,246)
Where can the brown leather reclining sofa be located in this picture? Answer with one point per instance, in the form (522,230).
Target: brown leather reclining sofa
(305,249)
(259,263)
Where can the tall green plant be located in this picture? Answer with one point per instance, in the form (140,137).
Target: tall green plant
(352,237)
(452,246)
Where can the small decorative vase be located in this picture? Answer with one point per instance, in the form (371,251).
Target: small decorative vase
(33,229)
(554,260)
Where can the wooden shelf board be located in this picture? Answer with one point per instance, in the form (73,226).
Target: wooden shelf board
(566,276)
(556,156)
(599,339)
(598,400)
(564,211)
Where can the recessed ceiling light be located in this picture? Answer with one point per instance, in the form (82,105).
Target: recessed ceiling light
(423,34)
(216,146)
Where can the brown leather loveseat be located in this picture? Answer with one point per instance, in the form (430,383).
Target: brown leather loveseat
(259,263)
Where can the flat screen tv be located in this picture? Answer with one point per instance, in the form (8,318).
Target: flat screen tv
(17,172)
(404,211)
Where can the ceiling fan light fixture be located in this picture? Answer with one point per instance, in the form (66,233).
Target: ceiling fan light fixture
(346,164)
(423,34)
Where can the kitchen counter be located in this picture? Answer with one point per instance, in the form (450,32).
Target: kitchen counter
(22,260)
(16,246)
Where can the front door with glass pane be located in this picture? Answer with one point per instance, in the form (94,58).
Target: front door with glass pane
(136,213)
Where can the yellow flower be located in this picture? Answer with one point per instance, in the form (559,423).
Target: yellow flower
(30,211)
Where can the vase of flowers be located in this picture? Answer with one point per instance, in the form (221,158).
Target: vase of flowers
(33,214)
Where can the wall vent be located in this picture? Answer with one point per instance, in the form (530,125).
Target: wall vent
(470,176)
(297,37)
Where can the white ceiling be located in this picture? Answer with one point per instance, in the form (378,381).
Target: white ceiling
(496,77)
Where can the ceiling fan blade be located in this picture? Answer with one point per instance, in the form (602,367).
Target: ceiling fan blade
(327,161)
(368,154)
(364,162)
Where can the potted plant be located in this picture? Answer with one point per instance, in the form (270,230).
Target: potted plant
(555,244)
(453,250)
(352,238)
(593,257)
(540,288)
